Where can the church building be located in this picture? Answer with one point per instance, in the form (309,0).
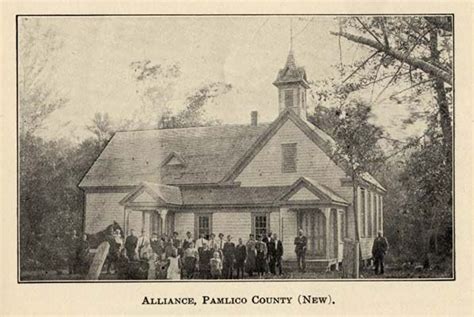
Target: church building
(236,179)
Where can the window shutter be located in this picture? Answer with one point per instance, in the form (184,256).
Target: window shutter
(289,153)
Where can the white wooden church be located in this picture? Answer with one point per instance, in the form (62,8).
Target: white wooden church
(236,179)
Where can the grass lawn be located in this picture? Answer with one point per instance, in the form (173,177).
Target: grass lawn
(365,273)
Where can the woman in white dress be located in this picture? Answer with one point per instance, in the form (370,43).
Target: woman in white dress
(174,271)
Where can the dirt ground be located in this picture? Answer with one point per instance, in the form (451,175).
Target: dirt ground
(365,273)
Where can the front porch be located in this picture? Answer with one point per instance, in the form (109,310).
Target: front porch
(150,208)
(322,215)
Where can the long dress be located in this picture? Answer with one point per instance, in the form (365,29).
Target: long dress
(190,257)
(250,263)
(173,269)
(261,257)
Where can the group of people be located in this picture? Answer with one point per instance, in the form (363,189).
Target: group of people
(207,257)
(78,253)
(168,257)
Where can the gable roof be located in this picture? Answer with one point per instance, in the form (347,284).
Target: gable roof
(135,156)
(160,193)
(323,193)
(210,155)
(325,142)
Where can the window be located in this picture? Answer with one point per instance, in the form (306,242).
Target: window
(344,225)
(288,160)
(203,224)
(260,224)
(380,213)
(369,214)
(362,212)
(289,98)
(375,215)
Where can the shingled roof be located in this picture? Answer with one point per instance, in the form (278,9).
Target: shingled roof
(291,73)
(137,156)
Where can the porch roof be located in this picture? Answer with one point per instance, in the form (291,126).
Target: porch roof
(160,194)
(152,194)
(318,191)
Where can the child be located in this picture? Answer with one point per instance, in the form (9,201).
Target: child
(216,266)
(162,267)
(174,267)
(122,266)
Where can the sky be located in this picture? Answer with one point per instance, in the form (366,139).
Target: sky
(92,65)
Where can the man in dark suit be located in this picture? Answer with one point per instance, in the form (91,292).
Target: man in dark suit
(156,244)
(271,247)
(278,253)
(228,252)
(131,245)
(300,249)
(379,249)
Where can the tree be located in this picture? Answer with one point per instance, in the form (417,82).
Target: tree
(156,85)
(415,54)
(102,127)
(37,97)
(357,146)
(193,115)
(409,48)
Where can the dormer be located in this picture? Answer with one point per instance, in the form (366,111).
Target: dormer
(173,159)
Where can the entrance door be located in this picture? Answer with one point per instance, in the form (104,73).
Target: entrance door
(155,224)
(313,224)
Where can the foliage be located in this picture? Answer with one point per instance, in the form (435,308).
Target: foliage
(37,98)
(412,52)
(193,115)
(51,204)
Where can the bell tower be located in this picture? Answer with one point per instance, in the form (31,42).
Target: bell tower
(292,85)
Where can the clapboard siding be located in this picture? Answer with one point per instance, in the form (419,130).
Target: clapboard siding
(237,224)
(184,222)
(266,167)
(275,222)
(102,209)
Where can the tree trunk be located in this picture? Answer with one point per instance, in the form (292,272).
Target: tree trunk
(356,224)
(429,68)
(443,107)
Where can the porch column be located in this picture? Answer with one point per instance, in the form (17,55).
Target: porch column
(126,220)
(163,214)
(327,215)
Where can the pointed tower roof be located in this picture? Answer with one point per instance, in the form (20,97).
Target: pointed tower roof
(291,73)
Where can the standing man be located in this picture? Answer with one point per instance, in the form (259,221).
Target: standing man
(112,256)
(240,255)
(72,244)
(142,240)
(156,244)
(212,243)
(300,249)
(379,249)
(200,242)
(271,247)
(278,252)
(176,242)
(229,255)
(188,240)
(131,245)
(220,244)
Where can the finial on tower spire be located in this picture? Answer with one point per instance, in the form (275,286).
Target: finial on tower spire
(291,34)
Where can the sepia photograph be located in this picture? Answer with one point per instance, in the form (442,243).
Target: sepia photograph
(231,148)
